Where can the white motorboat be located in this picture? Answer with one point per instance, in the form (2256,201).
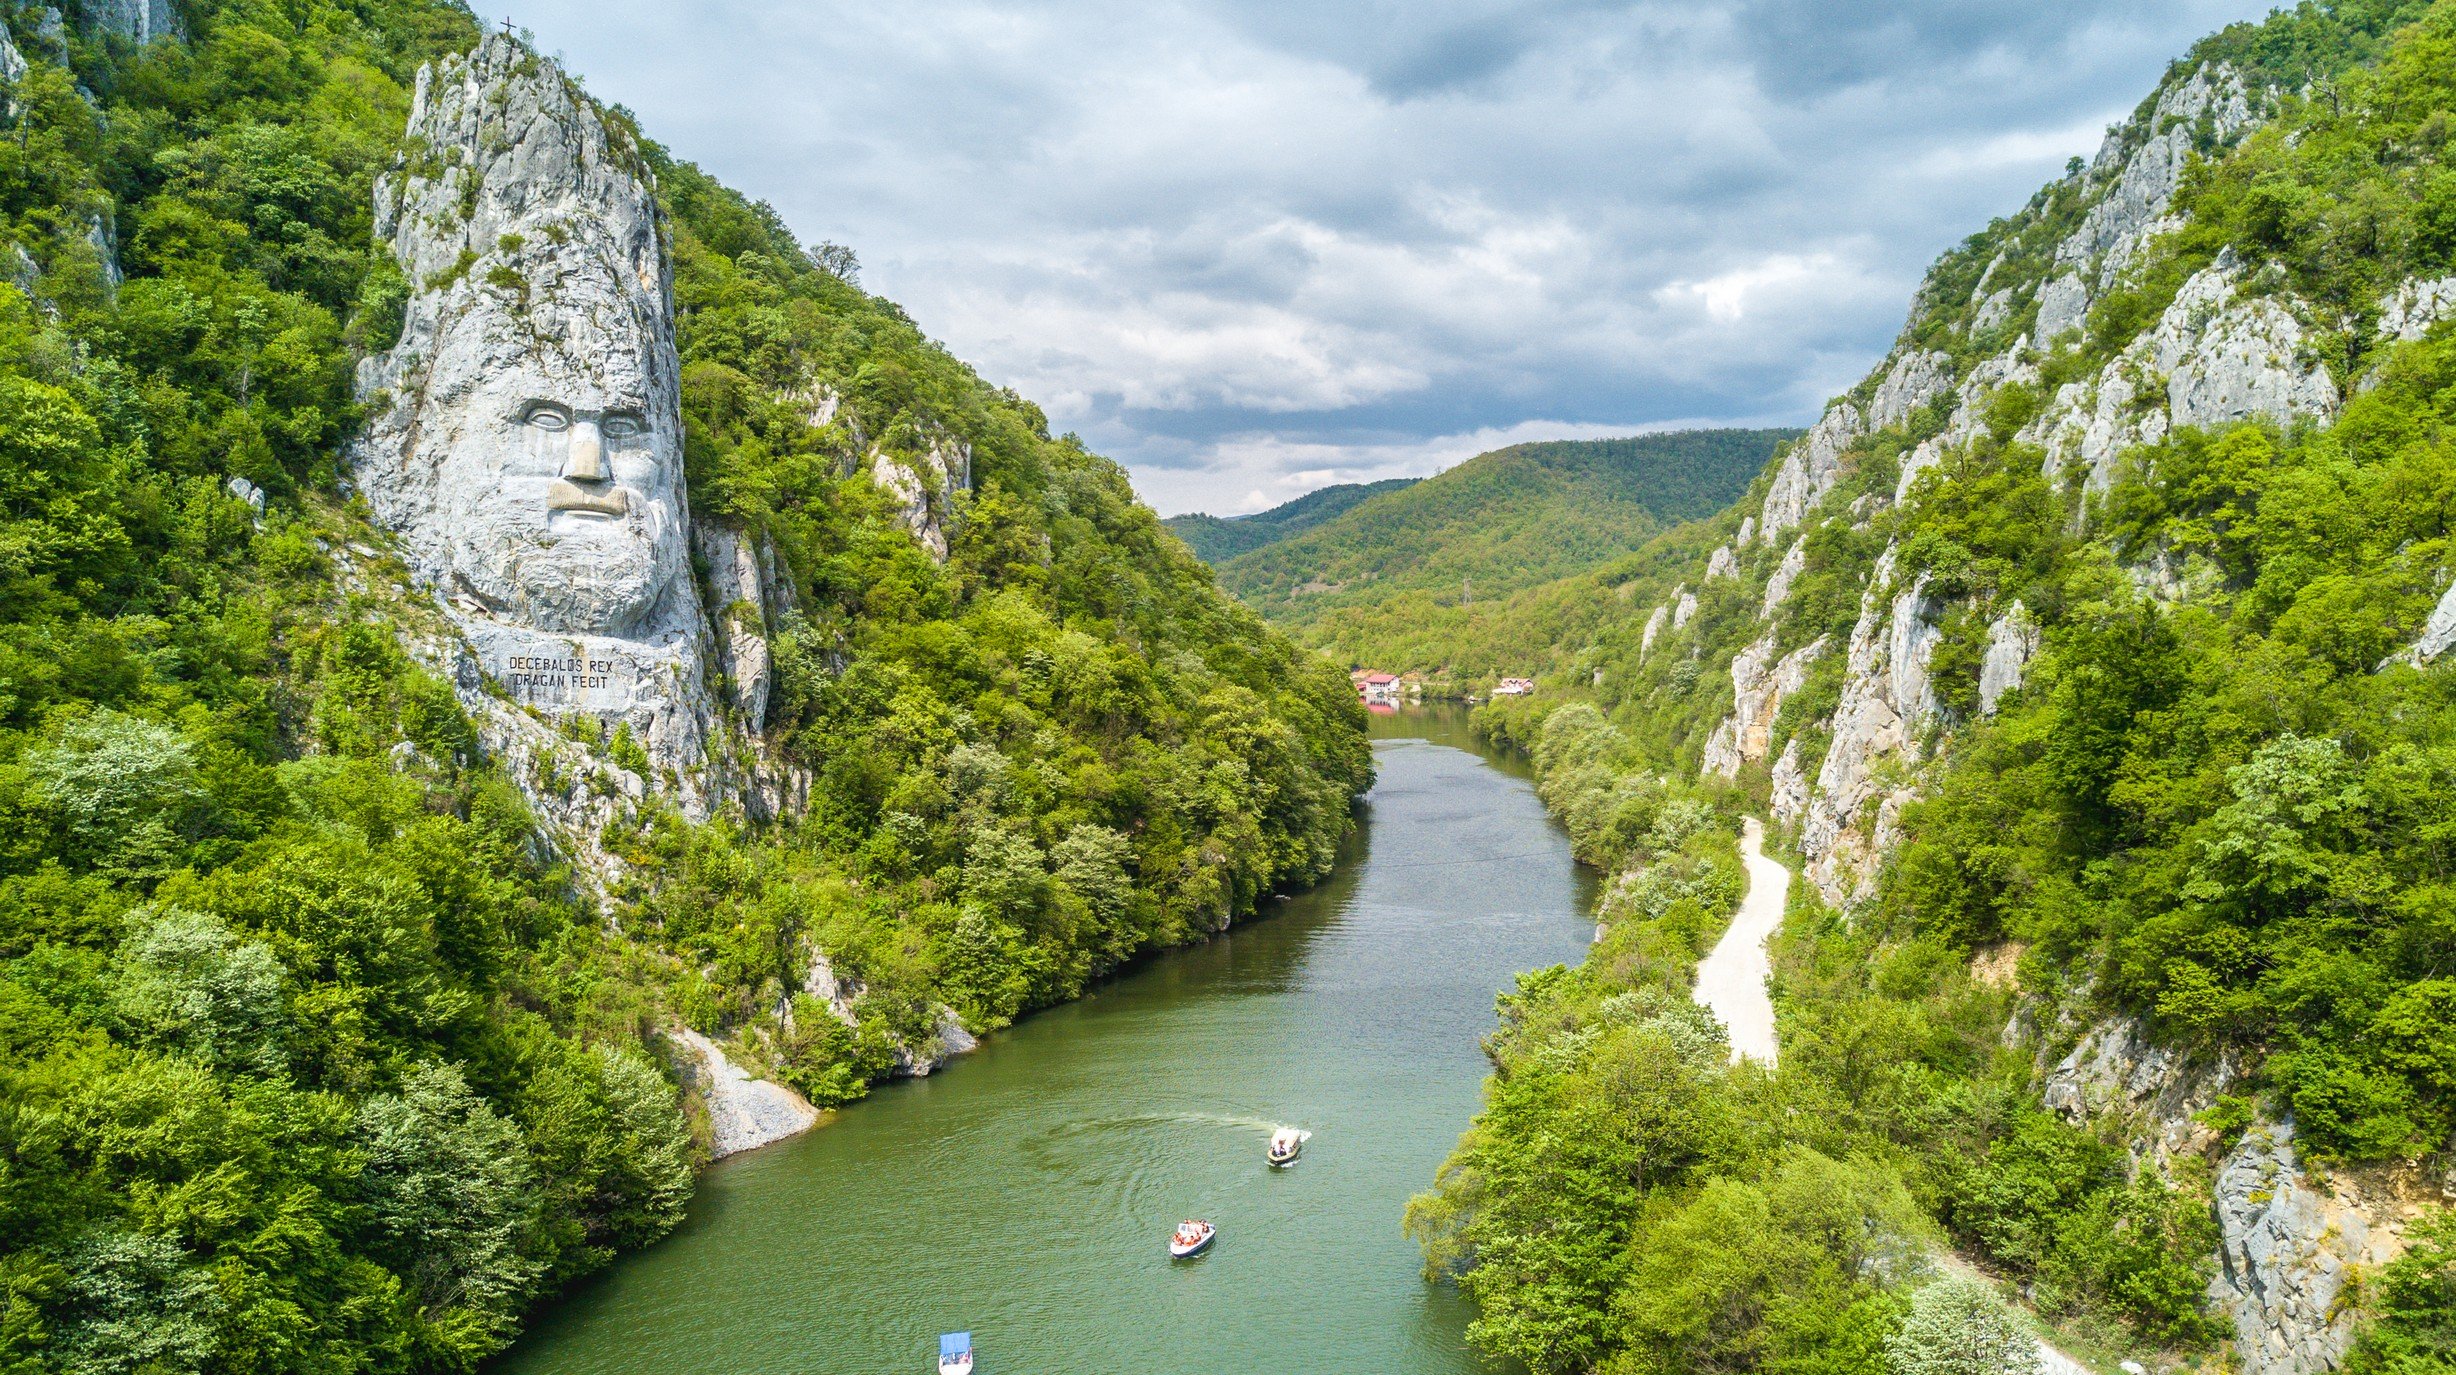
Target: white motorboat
(1286,1144)
(1191,1239)
(955,1354)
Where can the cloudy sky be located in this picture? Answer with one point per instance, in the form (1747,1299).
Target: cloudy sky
(1250,247)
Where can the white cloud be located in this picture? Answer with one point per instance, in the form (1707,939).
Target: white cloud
(1726,295)
(1235,242)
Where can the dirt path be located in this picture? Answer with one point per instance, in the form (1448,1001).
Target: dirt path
(1731,985)
(1731,980)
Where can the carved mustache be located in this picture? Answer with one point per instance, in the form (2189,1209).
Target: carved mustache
(566,495)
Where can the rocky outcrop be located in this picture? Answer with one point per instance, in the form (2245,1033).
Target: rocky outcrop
(1991,310)
(1778,586)
(102,236)
(948,1040)
(12,71)
(1790,785)
(1968,418)
(923,484)
(1886,699)
(2409,311)
(2440,631)
(841,996)
(1916,379)
(2141,165)
(1722,563)
(2289,1252)
(1683,610)
(738,581)
(2119,1074)
(139,21)
(743,1113)
(2215,357)
(1809,470)
(1758,688)
(2290,1246)
(2012,641)
(1913,642)
(2062,305)
(1654,629)
(525,434)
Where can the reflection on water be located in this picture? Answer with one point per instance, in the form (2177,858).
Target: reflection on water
(1025,1192)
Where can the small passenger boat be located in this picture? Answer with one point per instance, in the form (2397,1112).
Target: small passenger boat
(1191,1239)
(1286,1144)
(955,1354)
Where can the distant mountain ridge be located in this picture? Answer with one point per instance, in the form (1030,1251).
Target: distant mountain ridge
(1217,539)
(1500,521)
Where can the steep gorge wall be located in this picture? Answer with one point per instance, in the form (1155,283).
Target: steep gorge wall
(525,451)
(2229,345)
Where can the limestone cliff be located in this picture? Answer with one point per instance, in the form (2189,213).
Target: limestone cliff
(524,448)
(2029,340)
(2218,352)
(525,435)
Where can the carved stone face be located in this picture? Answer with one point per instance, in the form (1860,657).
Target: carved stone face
(557,471)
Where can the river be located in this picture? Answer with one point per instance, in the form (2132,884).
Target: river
(1025,1191)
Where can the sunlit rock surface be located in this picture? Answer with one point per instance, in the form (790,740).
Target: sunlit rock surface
(1758,687)
(743,1113)
(525,435)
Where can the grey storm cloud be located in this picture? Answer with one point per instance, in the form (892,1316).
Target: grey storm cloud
(1248,248)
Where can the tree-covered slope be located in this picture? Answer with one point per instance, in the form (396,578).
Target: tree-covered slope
(2090,655)
(315,1054)
(1217,539)
(1499,521)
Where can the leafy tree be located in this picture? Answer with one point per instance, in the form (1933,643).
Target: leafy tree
(1958,1326)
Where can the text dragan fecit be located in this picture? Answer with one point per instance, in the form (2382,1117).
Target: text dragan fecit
(536,671)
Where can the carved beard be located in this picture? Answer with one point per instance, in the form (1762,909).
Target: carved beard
(587,575)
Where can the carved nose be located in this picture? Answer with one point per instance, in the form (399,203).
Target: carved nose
(587,461)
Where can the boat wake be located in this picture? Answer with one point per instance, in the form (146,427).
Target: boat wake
(1144,1121)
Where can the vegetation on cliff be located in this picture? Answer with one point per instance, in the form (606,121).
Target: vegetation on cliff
(2215,805)
(313,1059)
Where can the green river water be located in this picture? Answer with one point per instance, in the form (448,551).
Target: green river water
(1025,1192)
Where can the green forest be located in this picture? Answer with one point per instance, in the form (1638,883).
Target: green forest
(1355,586)
(2218,805)
(315,1059)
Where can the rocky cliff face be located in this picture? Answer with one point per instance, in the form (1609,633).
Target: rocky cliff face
(2229,346)
(524,447)
(925,483)
(2215,357)
(1758,689)
(1886,700)
(2219,352)
(2292,1245)
(525,440)
(140,21)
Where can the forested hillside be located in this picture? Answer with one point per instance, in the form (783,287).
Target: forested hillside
(318,1055)
(2089,655)
(1216,539)
(1495,523)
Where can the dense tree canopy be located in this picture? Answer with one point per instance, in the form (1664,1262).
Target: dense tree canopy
(315,1059)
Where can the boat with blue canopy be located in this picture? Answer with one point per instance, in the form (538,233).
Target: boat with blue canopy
(955,1354)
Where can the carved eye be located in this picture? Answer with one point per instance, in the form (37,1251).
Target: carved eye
(621,426)
(547,418)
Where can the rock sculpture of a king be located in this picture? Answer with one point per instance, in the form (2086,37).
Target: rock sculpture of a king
(525,439)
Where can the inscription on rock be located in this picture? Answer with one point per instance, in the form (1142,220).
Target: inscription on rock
(530,676)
